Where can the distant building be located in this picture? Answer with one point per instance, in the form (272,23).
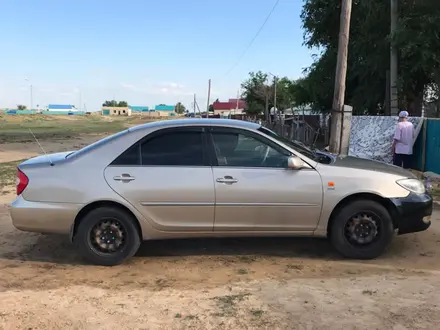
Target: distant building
(163,110)
(160,110)
(61,107)
(230,107)
(116,111)
(139,109)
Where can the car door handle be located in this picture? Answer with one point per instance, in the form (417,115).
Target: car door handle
(227,180)
(124,178)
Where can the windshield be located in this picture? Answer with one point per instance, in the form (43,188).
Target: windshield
(298,146)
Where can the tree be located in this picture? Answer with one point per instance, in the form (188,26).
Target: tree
(256,89)
(21,107)
(300,92)
(180,108)
(369,52)
(285,98)
(111,103)
(419,49)
(114,103)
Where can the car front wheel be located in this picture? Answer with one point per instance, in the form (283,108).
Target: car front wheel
(107,236)
(362,229)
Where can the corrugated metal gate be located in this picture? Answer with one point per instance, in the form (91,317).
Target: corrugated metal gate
(432,146)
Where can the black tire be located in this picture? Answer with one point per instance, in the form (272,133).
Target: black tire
(86,248)
(372,250)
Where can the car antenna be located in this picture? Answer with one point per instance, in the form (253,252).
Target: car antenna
(45,153)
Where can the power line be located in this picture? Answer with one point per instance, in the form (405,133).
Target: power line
(255,37)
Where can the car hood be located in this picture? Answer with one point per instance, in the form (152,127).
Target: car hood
(370,165)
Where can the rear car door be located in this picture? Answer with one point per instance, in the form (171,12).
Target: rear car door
(255,191)
(167,177)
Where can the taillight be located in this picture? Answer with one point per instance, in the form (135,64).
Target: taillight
(22,181)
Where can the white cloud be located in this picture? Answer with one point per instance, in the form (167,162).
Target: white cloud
(46,90)
(67,93)
(129,86)
(169,88)
(176,85)
(182,93)
(215,92)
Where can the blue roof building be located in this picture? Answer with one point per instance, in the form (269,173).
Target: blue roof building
(60,107)
(164,107)
(138,108)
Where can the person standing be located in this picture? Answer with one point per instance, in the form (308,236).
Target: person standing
(403,141)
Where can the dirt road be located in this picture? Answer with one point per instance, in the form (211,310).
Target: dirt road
(17,151)
(210,284)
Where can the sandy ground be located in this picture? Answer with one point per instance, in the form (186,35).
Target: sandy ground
(16,151)
(214,284)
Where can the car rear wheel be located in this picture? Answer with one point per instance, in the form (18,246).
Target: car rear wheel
(107,236)
(362,229)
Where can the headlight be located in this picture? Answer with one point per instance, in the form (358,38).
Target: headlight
(413,185)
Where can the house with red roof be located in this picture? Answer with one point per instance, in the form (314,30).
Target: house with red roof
(232,106)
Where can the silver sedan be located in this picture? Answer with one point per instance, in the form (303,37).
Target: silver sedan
(213,178)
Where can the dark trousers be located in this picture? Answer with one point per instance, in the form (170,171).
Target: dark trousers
(402,160)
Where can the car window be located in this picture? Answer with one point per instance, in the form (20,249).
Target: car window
(174,148)
(296,145)
(98,143)
(242,150)
(130,157)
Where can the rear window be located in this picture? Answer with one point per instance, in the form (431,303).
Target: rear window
(184,148)
(178,148)
(98,143)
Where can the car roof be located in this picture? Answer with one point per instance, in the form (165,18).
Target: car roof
(196,122)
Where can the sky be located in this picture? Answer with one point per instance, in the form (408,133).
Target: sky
(145,52)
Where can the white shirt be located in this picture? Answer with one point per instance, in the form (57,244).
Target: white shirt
(404,136)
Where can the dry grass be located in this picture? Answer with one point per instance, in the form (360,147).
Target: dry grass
(7,174)
(15,128)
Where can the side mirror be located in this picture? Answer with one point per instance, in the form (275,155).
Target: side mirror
(295,163)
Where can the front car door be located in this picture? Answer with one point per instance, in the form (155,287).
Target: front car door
(255,191)
(167,177)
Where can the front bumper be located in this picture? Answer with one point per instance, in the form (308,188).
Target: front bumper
(413,213)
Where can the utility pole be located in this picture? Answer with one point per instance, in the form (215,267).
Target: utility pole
(393,62)
(209,96)
(337,119)
(387,94)
(238,96)
(275,94)
(80,100)
(31,99)
(194,104)
(30,92)
(266,108)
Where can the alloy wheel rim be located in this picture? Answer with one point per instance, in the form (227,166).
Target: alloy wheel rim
(108,236)
(362,229)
